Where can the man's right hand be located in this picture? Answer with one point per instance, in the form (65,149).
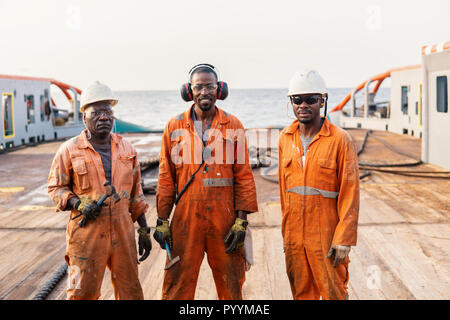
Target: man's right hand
(88,208)
(339,252)
(162,233)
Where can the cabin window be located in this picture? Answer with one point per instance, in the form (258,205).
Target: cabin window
(41,100)
(47,109)
(420,104)
(8,115)
(29,101)
(441,94)
(44,106)
(404,99)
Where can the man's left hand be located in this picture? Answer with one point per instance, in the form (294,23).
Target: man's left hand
(145,244)
(236,236)
(340,253)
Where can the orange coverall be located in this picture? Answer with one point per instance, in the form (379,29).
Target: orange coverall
(109,240)
(206,210)
(320,206)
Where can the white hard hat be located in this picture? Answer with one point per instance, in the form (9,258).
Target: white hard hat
(96,92)
(307,81)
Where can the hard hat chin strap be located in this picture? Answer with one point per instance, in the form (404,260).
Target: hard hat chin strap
(325,97)
(287,111)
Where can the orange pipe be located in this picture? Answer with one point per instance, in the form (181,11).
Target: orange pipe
(377,86)
(64,90)
(63,86)
(380,77)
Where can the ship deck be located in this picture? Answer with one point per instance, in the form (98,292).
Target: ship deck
(403,235)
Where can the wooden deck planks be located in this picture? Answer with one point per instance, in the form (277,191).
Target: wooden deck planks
(27,259)
(402,251)
(259,272)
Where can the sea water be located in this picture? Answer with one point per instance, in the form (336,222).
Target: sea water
(255,108)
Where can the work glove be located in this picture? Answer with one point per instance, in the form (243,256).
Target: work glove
(340,253)
(89,209)
(162,233)
(145,244)
(236,236)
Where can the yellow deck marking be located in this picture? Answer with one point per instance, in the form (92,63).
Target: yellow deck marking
(12,189)
(35,208)
(273,204)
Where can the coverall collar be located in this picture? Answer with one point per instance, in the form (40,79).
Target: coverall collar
(324,131)
(83,141)
(220,115)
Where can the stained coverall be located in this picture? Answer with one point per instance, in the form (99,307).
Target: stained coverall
(207,210)
(109,240)
(320,206)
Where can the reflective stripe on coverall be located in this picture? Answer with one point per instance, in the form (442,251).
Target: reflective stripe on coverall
(320,206)
(206,211)
(109,240)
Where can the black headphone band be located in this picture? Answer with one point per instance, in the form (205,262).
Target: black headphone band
(201,65)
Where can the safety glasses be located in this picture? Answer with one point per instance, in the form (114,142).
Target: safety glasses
(210,87)
(298,100)
(96,114)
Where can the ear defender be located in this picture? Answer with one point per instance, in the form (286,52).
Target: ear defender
(186,91)
(222,90)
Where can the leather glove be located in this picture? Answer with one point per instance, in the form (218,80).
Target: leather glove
(88,208)
(145,244)
(236,236)
(162,233)
(340,253)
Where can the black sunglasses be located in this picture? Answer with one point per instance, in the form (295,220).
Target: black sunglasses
(298,100)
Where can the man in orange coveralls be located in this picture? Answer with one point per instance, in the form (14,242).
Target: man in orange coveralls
(207,146)
(101,235)
(319,188)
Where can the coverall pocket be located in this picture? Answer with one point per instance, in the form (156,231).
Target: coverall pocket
(81,174)
(327,175)
(289,241)
(286,164)
(126,172)
(229,147)
(177,151)
(77,235)
(224,171)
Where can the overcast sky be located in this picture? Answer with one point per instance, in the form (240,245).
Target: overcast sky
(140,45)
